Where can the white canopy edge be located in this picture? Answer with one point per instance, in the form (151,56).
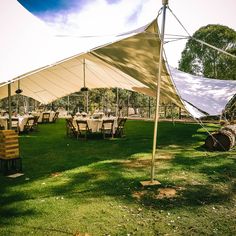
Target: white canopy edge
(50,67)
(44,62)
(28,45)
(203,95)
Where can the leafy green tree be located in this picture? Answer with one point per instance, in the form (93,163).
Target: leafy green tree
(102,99)
(200,59)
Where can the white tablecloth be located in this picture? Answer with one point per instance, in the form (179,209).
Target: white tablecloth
(96,124)
(22,121)
(3,121)
(40,114)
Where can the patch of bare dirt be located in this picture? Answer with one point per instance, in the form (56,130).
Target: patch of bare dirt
(146,162)
(166,193)
(55,174)
(81,234)
(161,193)
(136,163)
(139,194)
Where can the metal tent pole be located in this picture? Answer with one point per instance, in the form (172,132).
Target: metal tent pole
(86,102)
(165,3)
(117,101)
(149,107)
(68,104)
(9,106)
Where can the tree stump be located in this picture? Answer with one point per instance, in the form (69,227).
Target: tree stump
(222,140)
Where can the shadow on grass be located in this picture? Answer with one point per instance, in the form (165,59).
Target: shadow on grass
(95,168)
(108,179)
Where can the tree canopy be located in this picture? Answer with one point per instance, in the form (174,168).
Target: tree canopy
(199,59)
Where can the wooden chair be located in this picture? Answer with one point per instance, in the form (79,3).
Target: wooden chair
(29,125)
(83,128)
(45,117)
(14,124)
(2,127)
(35,125)
(120,128)
(107,128)
(55,117)
(70,128)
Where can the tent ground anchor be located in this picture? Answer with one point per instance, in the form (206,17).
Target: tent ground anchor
(150,183)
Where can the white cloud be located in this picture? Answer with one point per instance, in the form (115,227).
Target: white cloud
(101,18)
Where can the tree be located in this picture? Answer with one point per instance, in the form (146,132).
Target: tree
(199,59)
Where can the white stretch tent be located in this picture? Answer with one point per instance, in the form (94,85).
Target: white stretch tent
(51,67)
(203,96)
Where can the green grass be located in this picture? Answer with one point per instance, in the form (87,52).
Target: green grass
(73,187)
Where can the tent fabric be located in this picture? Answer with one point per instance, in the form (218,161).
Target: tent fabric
(50,67)
(203,96)
(131,62)
(27,44)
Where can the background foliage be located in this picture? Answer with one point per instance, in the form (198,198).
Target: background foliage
(202,60)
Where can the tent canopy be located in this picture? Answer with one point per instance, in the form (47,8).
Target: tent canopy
(51,67)
(203,96)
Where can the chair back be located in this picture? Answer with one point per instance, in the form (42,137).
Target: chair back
(70,128)
(45,117)
(29,124)
(14,124)
(107,128)
(55,116)
(120,127)
(36,118)
(82,125)
(108,124)
(121,122)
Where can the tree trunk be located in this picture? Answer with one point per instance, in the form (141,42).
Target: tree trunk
(222,140)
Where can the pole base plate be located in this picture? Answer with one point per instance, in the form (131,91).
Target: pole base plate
(150,183)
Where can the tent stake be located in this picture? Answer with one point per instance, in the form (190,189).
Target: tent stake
(155,182)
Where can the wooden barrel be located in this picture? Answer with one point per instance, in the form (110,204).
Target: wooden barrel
(222,140)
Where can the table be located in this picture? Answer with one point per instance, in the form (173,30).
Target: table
(96,124)
(40,114)
(22,120)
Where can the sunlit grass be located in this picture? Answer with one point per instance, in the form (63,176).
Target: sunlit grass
(73,186)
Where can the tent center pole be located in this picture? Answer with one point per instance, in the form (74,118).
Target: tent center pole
(68,104)
(87,102)
(9,106)
(117,101)
(165,3)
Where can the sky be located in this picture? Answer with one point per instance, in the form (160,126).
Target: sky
(107,17)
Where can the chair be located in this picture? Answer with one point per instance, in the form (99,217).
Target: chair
(2,127)
(120,128)
(70,128)
(83,128)
(29,125)
(107,128)
(14,124)
(45,117)
(35,125)
(55,117)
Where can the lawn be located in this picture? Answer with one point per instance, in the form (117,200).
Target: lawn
(77,187)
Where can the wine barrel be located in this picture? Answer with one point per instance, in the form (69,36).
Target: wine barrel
(222,140)
(211,141)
